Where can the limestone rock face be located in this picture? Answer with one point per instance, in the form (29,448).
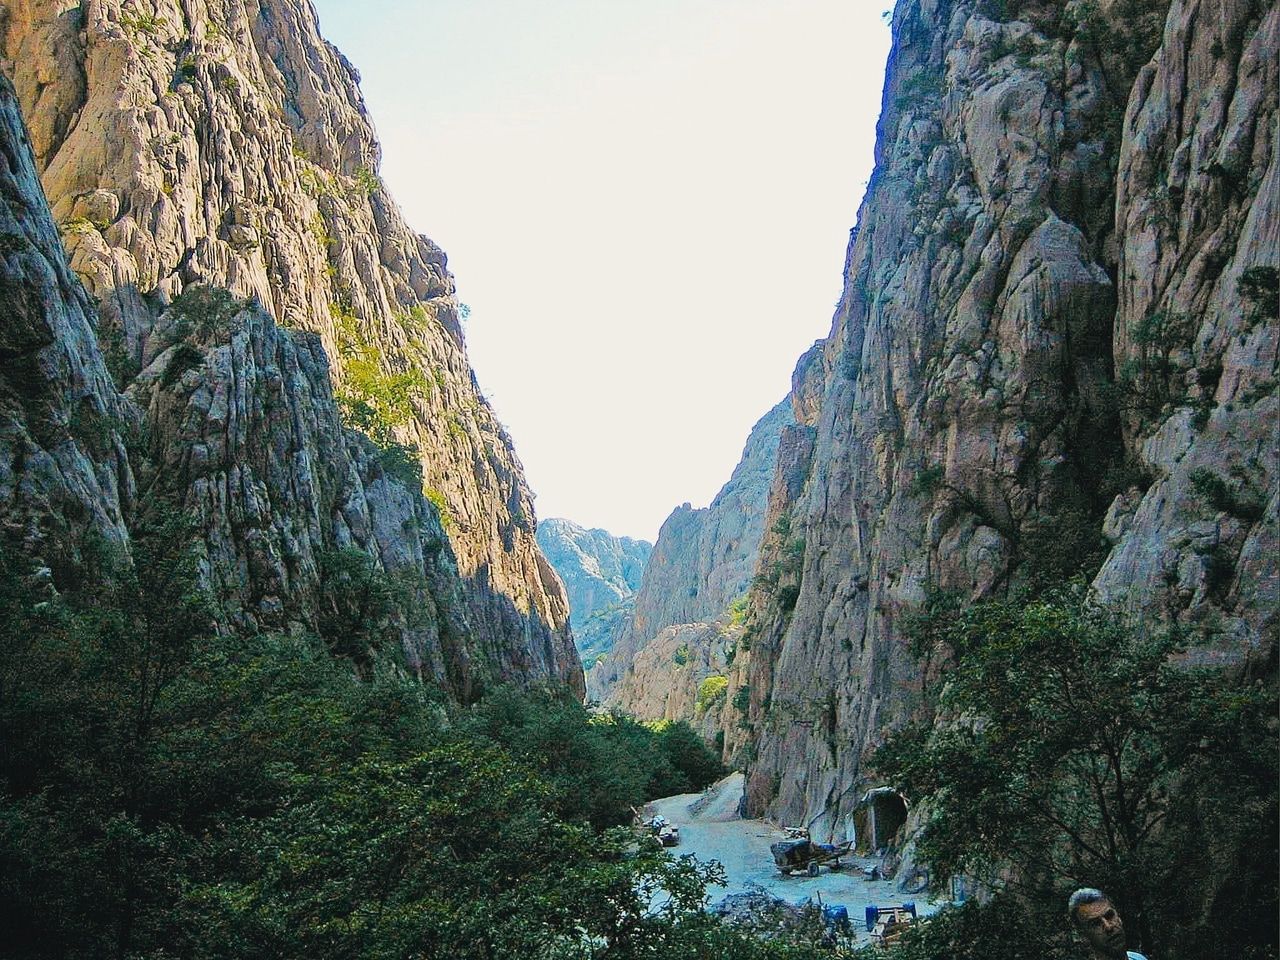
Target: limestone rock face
(1055,323)
(228,145)
(601,574)
(247,436)
(1198,209)
(64,472)
(703,561)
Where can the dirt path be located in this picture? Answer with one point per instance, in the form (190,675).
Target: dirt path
(711,829)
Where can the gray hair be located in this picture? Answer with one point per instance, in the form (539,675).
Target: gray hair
(1080,898)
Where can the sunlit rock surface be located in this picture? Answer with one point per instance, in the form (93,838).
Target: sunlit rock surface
(228,145)
(1055,338)
(601,574)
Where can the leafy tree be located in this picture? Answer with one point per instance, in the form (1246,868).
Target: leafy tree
(1072,751)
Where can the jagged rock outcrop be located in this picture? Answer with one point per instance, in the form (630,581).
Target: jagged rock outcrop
(1055,323)
(64,472)
(601,574)
(703,561)
(186,144)
(1198,210)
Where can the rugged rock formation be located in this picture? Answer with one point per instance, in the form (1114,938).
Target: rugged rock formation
(601,574)
(1058,320)
(227,145)
(64,473)
(1198,212)
(703,561)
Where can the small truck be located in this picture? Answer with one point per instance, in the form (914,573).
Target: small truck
(802,854)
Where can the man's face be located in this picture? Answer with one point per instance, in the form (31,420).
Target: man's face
(1102,928)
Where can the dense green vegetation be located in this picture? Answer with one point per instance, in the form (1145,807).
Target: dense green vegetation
(169,791)
(1067,750)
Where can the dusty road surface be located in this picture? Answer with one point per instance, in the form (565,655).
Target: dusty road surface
(711,829)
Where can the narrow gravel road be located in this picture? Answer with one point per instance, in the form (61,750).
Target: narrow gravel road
(711,829)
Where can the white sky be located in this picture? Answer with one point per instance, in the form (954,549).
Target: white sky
(646,204)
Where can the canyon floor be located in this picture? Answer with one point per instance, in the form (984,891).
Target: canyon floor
(711,829)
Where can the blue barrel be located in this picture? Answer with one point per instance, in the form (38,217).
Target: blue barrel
(836,916)
(872,913)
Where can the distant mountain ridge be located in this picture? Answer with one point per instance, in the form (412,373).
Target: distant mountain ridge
(601,574)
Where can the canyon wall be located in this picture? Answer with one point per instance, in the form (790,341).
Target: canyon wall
(682,629)
(601,574)
(1056,348)
(195,147)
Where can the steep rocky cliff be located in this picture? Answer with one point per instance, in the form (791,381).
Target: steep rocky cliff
(601,574)
(190,147)
(703,561)
(1058,322)
(64,472)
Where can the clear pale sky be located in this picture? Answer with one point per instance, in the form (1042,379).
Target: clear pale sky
(646,205)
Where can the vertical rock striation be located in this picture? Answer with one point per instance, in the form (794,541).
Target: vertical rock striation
(703,561)
(1046,331)
(601,574)
(227,145)
(64,472)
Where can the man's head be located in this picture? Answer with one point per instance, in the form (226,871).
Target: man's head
(1098,923)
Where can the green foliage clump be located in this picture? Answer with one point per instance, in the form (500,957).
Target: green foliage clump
(1073,751)
(144,23)
(360,604)
(712,691)
(376,402)
(166,792)
(185,357)
(922,86)
(366,182)
(1260,286)
(441,503)
(1240,501)
(1153,380)
(739,610)
(927,480)
(598,766)
(681,656)
(204,314)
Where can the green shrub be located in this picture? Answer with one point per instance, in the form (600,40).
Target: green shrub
(205,313)
(927,480)
(712,691)
(681,656)
(1074,751)
(185,357)
(366,182)
(441,503)
(1241,502)
(1260,286)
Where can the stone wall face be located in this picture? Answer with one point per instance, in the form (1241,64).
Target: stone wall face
(992,395)
(227,145)
(703,561)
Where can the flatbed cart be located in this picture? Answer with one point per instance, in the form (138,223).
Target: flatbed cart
(801,854)
(887,924)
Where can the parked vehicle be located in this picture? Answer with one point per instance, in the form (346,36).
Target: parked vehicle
(801,854)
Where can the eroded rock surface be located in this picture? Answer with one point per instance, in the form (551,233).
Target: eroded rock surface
(64,472)
(703,561)
(228,145)
(1046,334)
(601,574)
